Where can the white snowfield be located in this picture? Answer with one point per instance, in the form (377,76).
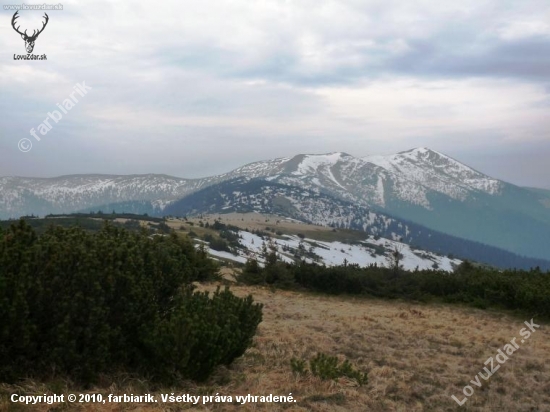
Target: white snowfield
(336,253)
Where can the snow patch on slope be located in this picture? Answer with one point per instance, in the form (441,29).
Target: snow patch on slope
(336,253)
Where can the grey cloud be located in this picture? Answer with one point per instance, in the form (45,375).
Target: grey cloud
(193,89)
(527,59)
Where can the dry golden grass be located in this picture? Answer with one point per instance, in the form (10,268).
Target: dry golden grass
(416,357)
(256,221)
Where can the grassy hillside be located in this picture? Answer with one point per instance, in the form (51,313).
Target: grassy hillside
(276,226)
(270,223)
(416,357)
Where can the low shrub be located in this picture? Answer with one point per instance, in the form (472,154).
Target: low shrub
(327,367)
(78,304)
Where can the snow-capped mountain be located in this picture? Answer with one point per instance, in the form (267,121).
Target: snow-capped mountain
(428,188)
(24,196)
(245,195)
(437,172)
(419,185)
(409,176)
(374,180)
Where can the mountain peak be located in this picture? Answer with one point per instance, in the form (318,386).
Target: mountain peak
(436,171)
(423,151)
(417,150)
(329,156)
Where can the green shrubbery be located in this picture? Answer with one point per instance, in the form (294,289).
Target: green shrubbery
(327,367)
(203,332)
(81,304)
(527,291)
(274,272)
(216,243)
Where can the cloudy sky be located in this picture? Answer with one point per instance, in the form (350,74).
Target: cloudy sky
(193,88)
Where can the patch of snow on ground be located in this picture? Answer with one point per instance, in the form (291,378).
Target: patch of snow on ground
(334,253)
(227,255)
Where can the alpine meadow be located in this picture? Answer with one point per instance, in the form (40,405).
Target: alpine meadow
(275,206)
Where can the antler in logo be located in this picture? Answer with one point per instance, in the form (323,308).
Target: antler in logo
(29,40)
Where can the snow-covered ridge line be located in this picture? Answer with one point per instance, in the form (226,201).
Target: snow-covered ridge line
(436,171)
(371,181)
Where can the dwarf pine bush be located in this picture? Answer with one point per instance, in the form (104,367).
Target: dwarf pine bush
(80,304)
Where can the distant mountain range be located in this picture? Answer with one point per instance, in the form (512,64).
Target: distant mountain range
(420,187)
(243,195)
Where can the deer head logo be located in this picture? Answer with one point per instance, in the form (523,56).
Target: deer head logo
(29,40)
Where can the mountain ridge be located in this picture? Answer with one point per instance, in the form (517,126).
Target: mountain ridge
(374,159)
(419,185)
(245,195)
